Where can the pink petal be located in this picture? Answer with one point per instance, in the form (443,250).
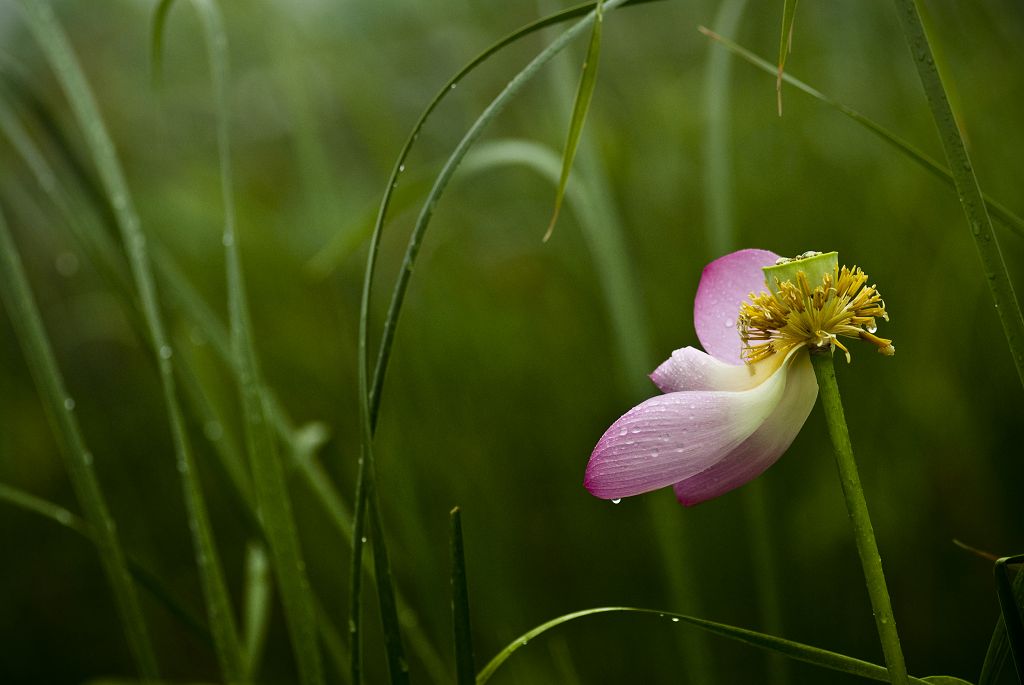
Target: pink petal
(725,283)
(764,447)
(691,369)
(673,437)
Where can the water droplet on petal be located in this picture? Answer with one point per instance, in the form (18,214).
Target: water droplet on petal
(623,431)
(616,501)
(729,323)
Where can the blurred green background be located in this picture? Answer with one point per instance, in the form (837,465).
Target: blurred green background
(509,362)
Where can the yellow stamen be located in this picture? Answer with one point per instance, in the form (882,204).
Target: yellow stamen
(799,314)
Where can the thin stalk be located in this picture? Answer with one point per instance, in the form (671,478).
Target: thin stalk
(369,399)
(55,45)
(971,198)
(465,671)
(719,201)
(857,507)
(59,407)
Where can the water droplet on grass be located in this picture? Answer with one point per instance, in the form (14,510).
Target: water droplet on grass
(166,352)
(69,404)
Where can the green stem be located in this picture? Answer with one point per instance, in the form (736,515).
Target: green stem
(857,507)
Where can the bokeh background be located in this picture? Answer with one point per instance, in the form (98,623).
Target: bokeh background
(514,355)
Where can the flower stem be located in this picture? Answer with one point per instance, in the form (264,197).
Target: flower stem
(858,510)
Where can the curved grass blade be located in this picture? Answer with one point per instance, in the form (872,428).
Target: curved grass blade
(580,107)
(146,579)
(1000,211)
(465,669)
(971,198)
(59,53)
(270,485)
(793,650)
(785,45)
(59,407)
(369,399)
(1008,592)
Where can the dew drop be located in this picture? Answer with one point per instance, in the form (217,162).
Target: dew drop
(872,328)
(69,404)
(87,458)
(166,352)
(616,501)
(363,539)
(729,323)
(64,517)
(635,431)
(213,431)
(228,240)
(675,620)
(453,86)
(623,431)
(654,454)
(401,168)
(66,264)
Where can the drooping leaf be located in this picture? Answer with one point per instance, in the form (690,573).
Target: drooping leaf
(580,107)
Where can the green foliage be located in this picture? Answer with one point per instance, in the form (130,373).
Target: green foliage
(513,356)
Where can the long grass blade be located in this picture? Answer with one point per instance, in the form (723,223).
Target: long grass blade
(59,407)
(793,650)
(369,397)
(465,669)
(785,45)
(580,107)
(971,198)
(270,485)
(719,200)
(997,209)
(59,53)
(146,579)
(1008,592)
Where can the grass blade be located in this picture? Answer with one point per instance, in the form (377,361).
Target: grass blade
(369,397)
(146,579)
(1000,211)
(1009,593)
(793,650)
(971,198)
(580,107)
(59,407)
(465,670)
(785,45)
(58,51)
(270,485)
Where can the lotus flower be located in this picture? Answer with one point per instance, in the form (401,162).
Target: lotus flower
(729,412)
